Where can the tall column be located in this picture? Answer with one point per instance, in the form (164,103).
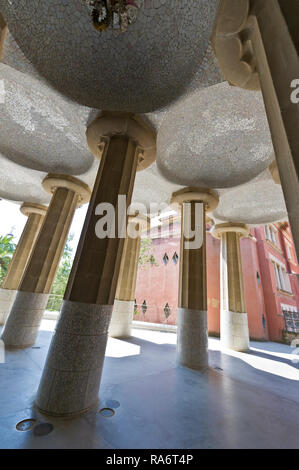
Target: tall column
(233,318)
(8,291)
(123,309)
(192,323)
(3,31)
(72,374)
(257,47)
(23,322)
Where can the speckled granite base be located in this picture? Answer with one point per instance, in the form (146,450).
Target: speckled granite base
(122,317)
(234,330)
(192,342)
(7,298)
(72,373)
(22,325)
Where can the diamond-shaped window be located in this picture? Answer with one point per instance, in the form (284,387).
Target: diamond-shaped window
(175,258)
(144,307)
(167,311)
(165,259)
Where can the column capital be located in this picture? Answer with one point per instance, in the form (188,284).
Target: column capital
(28,208)
(53,181)
(192,194)
(232,46)
(241,229)
(111,123)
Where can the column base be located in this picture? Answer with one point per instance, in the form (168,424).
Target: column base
(7,297)
(22,325)
(234,330)
(72,374)
(192,342)
(121,320)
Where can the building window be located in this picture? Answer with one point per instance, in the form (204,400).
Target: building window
(264,322)
(144,307)
(167,311)
(258,278)
(270,233)
(282,278)
(175,258)
(165,259)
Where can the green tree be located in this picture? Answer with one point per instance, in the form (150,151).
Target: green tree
(146,255)
(7,248)
(62,276)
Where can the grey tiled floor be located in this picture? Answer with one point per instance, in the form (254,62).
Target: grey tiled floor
(242,401)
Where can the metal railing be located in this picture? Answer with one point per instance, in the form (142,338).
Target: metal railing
(291,320)
(54,302)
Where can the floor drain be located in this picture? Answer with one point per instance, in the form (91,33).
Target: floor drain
(107,412)
(26,424)
(218,368)
(43,429)
(112,404)
(35,347)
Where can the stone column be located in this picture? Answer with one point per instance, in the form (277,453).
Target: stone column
(72,374)
(233,318)
(192,323)
(256,44)
(3,31)
(8,291)
(123,310)
(23,322)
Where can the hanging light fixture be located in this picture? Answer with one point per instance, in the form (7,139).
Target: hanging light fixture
(113,14)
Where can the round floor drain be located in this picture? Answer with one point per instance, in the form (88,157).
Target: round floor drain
(26,424)
(107,412)
(43,429)
(112,404)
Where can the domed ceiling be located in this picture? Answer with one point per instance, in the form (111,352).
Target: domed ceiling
(162,56)
(260,201)
(217,138)
(40,129)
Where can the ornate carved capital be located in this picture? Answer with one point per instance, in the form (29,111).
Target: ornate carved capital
(232,45)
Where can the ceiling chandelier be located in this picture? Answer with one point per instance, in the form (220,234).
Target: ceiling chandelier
(113,14)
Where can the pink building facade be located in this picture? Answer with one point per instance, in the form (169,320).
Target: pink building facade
(270,272)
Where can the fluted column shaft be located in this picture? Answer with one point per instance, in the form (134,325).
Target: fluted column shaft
(232,288)
(233,321)
(192,323)
(271,33)
(44,261)
(193,268)
(256,44)
(35,213)
(123,309)
(23,322)
(72,374)
(3,31)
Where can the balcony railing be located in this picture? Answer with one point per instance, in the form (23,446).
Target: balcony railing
(291,320)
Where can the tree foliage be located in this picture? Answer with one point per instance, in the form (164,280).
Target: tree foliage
(62,276)
(146,255)
(7,248)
